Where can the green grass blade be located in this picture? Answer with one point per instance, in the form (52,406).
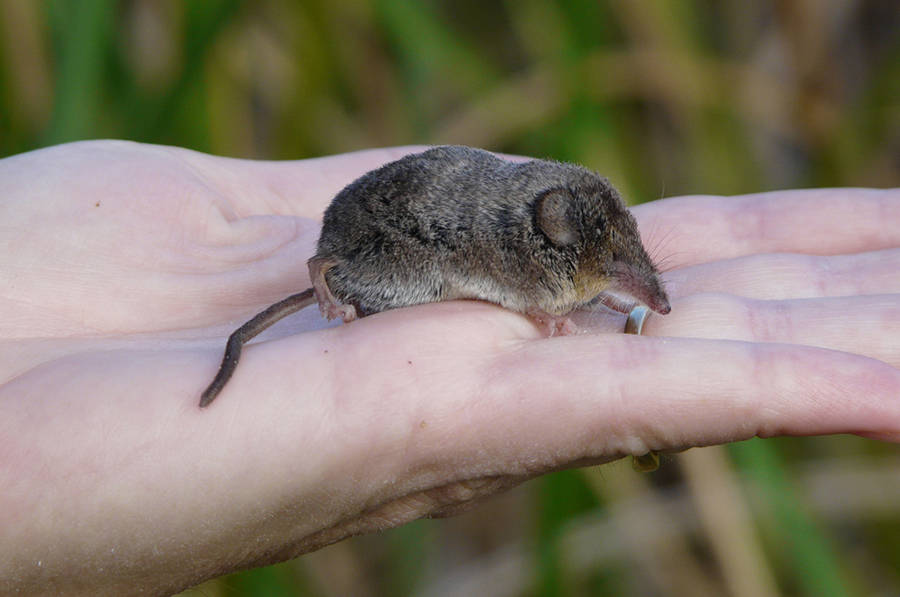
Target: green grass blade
(83,34)
(808,550)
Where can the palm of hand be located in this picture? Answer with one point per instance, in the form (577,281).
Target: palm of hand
(126,265)
(141,239)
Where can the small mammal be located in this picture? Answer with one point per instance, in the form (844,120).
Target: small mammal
(539,237)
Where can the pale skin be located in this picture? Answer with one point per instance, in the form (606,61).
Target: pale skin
(124,267)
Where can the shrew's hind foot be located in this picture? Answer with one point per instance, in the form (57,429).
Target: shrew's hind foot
(332,310)
(553,325)
(329,305)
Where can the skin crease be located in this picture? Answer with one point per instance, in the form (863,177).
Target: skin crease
(124,266)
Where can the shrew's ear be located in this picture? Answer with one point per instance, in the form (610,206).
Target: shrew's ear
(555,216)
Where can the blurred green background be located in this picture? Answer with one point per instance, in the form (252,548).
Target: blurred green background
(664,97)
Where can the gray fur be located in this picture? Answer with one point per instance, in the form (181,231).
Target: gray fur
(457,222)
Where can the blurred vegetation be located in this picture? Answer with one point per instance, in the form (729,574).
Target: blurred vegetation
(666,97)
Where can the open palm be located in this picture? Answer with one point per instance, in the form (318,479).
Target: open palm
(123,267)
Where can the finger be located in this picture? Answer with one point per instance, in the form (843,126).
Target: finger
(791,275)
(867,325)
(605,395)
(589,397)
(463,398)
(689,230)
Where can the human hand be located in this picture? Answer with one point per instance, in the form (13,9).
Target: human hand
(125,266)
